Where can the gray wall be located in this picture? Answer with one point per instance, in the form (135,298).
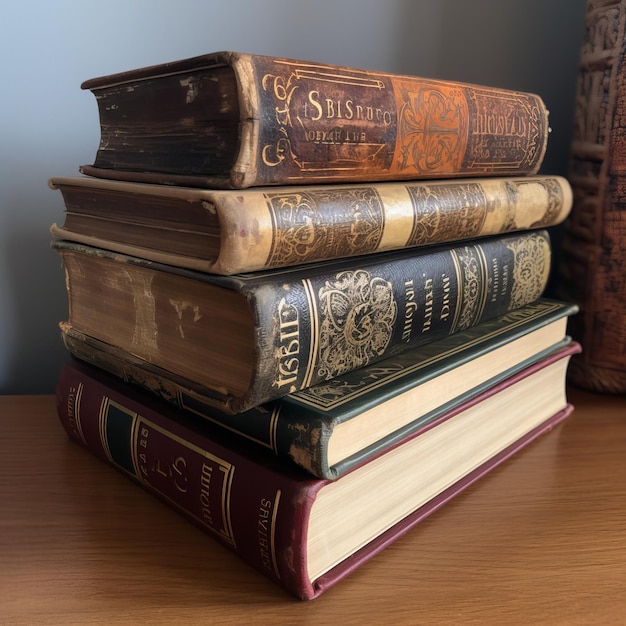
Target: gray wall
(49,126)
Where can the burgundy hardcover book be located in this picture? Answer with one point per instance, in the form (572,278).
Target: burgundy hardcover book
(307,533)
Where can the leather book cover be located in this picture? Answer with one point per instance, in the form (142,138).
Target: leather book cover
(306,325)
(261,120)
(234,231)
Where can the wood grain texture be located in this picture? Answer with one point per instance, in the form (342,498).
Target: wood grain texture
(539,540)
(592,266)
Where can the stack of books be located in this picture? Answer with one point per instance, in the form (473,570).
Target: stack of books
(306,302)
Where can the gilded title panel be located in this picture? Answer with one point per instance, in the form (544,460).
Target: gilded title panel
(326,223)
(324,120)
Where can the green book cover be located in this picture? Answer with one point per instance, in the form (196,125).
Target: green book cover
(253,338)
(332,427)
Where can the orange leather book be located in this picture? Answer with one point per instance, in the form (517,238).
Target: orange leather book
(234,120)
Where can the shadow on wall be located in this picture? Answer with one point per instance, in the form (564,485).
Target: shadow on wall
(34,300)
(528,46)
(532,45)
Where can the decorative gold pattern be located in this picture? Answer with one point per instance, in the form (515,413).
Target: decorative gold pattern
(555,203)
(340,390)
(304,233)
(446,212)
(531,256)
(356,385)
(472,277)
(357,312)
(431,129)
(324,119)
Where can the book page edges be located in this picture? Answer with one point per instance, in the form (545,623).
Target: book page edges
(566,347)
(150,254)
(360,557)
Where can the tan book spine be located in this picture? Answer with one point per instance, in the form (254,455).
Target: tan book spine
(270,229)
(275,227)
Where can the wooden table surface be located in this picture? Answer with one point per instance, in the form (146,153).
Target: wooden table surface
(541,540)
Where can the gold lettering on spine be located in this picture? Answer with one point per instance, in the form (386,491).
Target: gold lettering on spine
(495,278)
(445,305)
(513,124)
(142,457)
(266,532)
(74,399)
(307,108)
(410,308)
(317,111)
(206,474)
(335,109)
(428,305)
(289,344)
(213,483)
(505,281)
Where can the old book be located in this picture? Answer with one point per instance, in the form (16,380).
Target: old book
(235,231)
(251,338)
(592,268)
(306,534)
(332,427)
(236,120)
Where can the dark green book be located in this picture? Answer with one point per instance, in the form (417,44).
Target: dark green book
(332,427)
(252,338)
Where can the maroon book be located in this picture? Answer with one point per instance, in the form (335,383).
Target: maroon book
(307,533)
